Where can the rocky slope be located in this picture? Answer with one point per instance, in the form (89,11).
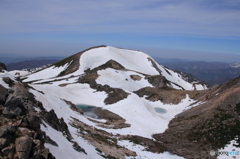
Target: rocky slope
(209,126)
(20,133)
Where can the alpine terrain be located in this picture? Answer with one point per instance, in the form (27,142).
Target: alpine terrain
(107,102)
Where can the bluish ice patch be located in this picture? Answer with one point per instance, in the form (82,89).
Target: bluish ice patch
(160,110)
(88,110)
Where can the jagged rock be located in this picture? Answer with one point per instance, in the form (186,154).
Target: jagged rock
(33,120)
(58,124)
(24,123)
(9,81)
(158,81)
(3,130)
(50,141)
(22,131)
(155,65)
(13,102)
(78,148)
(9,151)
(3,94)
(2,67)
(17,111)
(46,154)
(5,141)
(23,147)
(11,129)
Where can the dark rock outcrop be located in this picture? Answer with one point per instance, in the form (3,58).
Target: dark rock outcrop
(3,94)
(23,147)
(114,94)
(2,67)
(158,81)
(58,124)
(20,133)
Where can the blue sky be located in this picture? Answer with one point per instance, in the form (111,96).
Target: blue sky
(189,29)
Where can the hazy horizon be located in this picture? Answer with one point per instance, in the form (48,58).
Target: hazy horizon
(161,53)
(207,30)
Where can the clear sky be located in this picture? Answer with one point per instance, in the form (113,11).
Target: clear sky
(188,29)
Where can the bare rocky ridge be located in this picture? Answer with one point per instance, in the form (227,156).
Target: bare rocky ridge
(209,126)
(167,95)
(20,133)
(114,121)
(74,60)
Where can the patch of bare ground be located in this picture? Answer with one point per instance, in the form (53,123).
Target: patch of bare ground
(114,94)
(149,144)
(209,126)
(114,121)
(167,95)
(136,77)
(73,106)
(105,143)
(157,80)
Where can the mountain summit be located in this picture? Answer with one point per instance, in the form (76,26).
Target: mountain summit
(106,60)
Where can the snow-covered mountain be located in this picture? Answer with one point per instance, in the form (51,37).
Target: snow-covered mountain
(133,98)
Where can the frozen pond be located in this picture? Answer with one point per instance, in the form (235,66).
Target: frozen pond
(160,110)
(88,110)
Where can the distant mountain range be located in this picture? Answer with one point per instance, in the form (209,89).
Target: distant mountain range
(29,64)
(209,72)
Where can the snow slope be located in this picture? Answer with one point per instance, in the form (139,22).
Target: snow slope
(132,60)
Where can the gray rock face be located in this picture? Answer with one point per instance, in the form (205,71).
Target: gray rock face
(23,146)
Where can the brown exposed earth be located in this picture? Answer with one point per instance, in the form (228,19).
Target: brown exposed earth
(209,126)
